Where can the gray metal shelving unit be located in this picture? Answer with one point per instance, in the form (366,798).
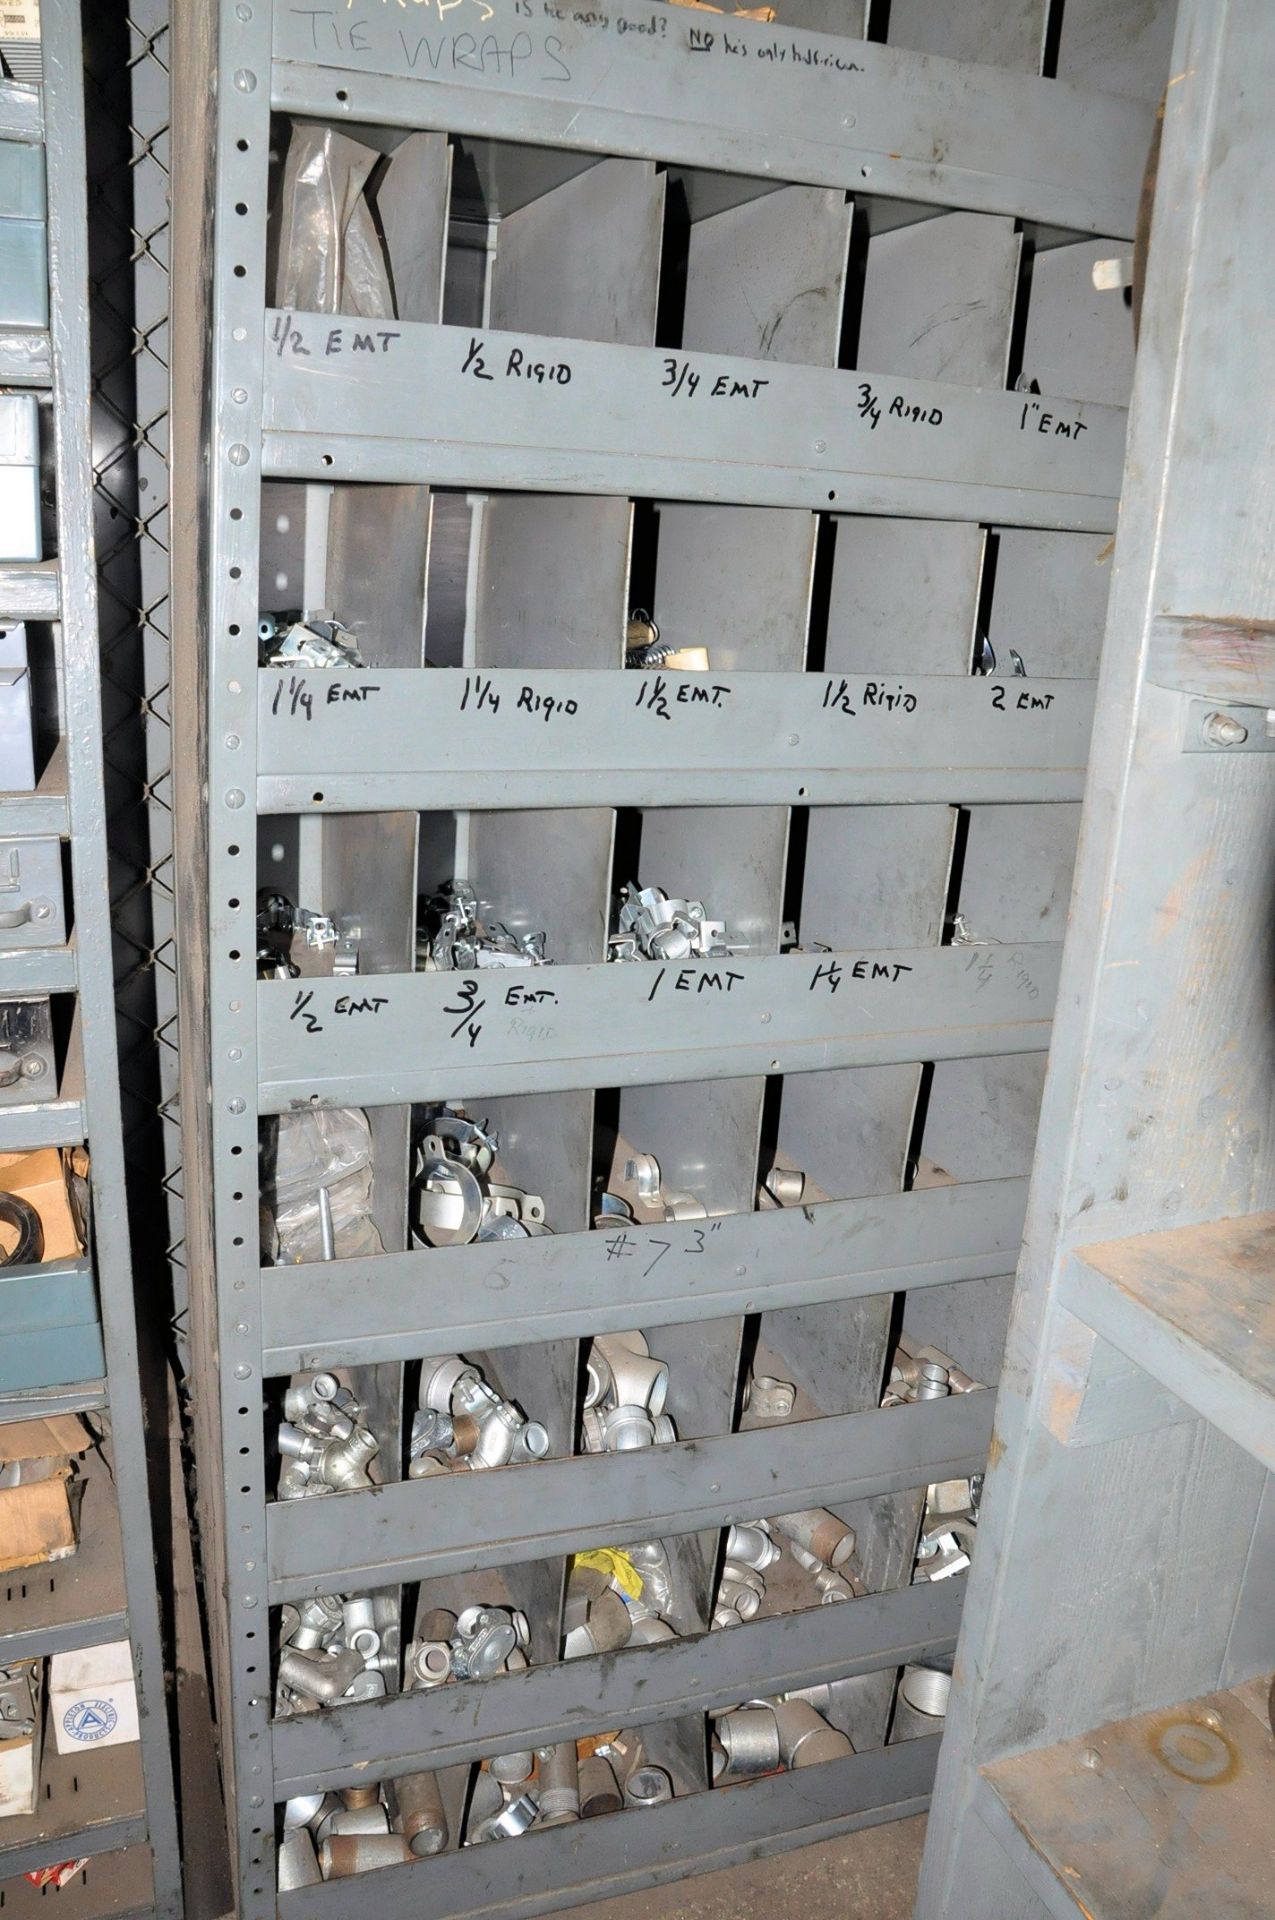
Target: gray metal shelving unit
(1110,1747)
(115,1807)
(776,282)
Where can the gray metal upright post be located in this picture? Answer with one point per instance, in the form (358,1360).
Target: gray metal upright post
(1106,1751)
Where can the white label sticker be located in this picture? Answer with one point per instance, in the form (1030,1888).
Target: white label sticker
(19,19)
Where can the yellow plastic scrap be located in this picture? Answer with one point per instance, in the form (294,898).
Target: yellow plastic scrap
(616,1565)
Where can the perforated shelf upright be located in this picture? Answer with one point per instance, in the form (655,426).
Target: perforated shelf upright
(114,1808)
(789,337)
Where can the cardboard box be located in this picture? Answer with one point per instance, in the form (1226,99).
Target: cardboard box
(40,1177)
(20,1757)
(38,1514)
(93,1698)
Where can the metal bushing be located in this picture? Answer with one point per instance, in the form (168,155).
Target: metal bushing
(349,1853)
(932,1382)
(511,1769)
(648,1787)
(821,1533)
(298,1864)
(422,1817)
(786,1185)
(599,1788)
(749,1737)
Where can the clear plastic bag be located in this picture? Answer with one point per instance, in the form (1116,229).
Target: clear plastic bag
(330,256)
(330,1148)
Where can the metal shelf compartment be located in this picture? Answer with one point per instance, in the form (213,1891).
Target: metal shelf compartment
(617,370)
(114,1807)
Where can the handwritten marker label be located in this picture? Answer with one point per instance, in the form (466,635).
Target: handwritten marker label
(1005,700)
(897,407)
(681,379)
(516,366)
(1034,419)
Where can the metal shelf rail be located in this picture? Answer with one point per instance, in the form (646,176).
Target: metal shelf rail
(115,1808)
(827,532)
(1110,1747)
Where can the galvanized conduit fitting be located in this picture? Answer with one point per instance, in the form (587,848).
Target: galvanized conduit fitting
(805,1738)
(599,1788)
(347,1854)
(324,1678)
(344,1463)
(752,1546)
(648,1787)
(559,1784)
(511,1769)
(360,1796)
(636,1379)
(819,1533)
(428,1663)
(749,1739)
(926,1690)
(373,1819)
(297,1862)
(301,1810)
(649,1631)
(422,1817)
(607,1625)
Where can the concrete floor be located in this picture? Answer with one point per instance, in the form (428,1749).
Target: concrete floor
(869,1875)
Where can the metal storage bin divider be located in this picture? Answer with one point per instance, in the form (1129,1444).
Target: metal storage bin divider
(816,528)
(114,1808)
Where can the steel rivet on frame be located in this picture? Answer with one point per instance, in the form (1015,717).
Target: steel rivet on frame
(245,81)
(235,797)
(238,455)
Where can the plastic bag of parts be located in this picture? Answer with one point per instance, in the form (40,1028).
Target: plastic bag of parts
(330,258)
(331,1148)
